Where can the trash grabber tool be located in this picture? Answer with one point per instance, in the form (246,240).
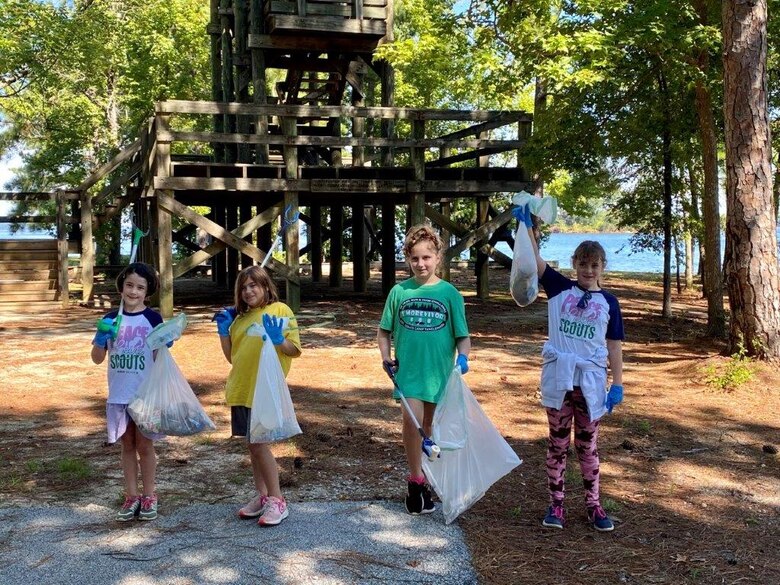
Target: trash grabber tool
(288,220)
(114,327)
(429,448)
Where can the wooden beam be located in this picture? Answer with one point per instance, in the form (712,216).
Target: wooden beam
(103,170)
(217,246)
(37,196)
(172,206)
(460,231)
(339,141)
(342,44)
(309,111)
(464,156)
(477,235)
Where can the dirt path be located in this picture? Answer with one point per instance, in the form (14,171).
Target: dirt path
(684,467)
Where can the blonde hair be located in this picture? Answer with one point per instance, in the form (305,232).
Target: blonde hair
(422,233)
(262,279)
(589,250)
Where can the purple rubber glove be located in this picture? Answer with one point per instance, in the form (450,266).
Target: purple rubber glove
(614,397)
(273,327)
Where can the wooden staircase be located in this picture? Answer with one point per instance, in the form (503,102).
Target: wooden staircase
(28,275)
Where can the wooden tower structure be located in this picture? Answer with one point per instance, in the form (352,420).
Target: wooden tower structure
(303,119)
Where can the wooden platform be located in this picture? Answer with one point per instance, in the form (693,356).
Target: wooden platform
(28,274)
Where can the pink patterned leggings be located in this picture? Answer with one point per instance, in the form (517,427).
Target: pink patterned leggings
(585,438)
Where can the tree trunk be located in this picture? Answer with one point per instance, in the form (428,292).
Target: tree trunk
(666,138)
(712,276)
(751,241)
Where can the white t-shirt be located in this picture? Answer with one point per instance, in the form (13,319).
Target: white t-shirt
(129,358)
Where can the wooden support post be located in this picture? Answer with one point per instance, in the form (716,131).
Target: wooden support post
(292,248)
(446,210)
(243,71)
(231,223)
(87,248)
(481,265)
(212,216)
(216,77)
(246,215)
(164,248)
(264,235)
(334,124)
(315,235)
(336,245)
(358,249)
(219,263)
(228,93)
(164,225)
(358,125)
(62,249)
(388,247)
(417,200)
(259,90)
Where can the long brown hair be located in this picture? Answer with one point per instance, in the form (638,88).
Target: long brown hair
(262,279)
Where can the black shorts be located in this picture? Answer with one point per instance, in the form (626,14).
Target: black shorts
(239,421)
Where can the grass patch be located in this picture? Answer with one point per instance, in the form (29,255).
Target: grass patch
(610,506)
(639,426)
(34,465)
(739,369)
(74,469)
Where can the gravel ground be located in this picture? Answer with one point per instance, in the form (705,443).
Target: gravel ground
(329,543)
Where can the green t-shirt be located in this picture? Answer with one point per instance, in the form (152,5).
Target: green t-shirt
(425,322)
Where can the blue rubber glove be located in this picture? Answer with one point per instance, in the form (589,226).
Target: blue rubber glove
(224,319)
(523,215)
(614,397)
(273,327)
(463,363)
(104,333)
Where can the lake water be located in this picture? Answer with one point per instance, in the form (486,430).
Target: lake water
(558,246)
(620,257)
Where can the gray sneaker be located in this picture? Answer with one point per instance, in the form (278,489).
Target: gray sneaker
(129,509)
(148,508)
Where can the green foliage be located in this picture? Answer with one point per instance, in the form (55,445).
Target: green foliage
(738,370)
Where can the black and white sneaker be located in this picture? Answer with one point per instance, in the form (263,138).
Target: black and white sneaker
(419,499)
(428,505)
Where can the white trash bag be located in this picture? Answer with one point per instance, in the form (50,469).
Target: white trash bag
(524,276)
(273,416)
(449,418)
(165,403)
(462,476)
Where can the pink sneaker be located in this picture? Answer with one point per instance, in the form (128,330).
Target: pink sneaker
(254,508)
(274,513)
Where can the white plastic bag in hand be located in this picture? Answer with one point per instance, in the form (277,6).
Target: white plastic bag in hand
(462,476)
(165,403)
(524,276)
(449,418)
(273,416)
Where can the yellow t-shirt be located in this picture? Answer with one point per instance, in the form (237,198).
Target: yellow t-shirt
(245,352)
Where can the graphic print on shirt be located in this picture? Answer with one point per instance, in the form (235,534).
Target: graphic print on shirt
(129,353)
(423,314)
(579,323)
